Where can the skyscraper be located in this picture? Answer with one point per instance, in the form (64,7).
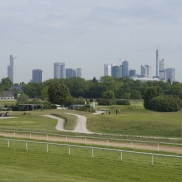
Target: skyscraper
(162,67)
(149,71)
(59,70)
(70,73)
(116,71)
(37,75)
(170,74)
(157,63)
(125,68)
(143,71)
(132,73)
(79,72)
(107,70)
(12,69)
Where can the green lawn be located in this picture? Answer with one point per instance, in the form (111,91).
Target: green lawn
(36,164)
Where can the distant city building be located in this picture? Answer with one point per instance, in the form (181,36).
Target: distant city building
(107,70)
(149,71)
(143,71)
(144,79)
(70,73)
(37,75)
(79,72)
(125,68)
(157,63)
(162,67)
(132,73)
(12,69)
(170,74)
(59,70)
(116,71)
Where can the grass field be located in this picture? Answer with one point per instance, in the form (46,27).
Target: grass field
(18,164)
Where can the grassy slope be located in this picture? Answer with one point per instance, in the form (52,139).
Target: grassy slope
(17,164)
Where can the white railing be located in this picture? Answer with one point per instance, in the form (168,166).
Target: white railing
(93,149)
(86,138)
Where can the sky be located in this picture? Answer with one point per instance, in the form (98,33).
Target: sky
(88,34)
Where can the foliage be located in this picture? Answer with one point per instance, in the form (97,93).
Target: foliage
(22,99)
(136,95)
(59,94)
(151,93)
(44,93)
(108,94)
(122,102)
(106,102)
(5,84)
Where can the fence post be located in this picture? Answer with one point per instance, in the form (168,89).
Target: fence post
(30,135)
(107,142)
(121,156)
(158,146)
(152,159)
(8,143)
(47,147)
(14,134)
(132,144)
(47,136)
(92,152)
(26,145)
(69,149)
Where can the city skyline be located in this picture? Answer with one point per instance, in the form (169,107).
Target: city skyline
(89,34)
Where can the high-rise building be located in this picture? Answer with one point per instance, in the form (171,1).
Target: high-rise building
(79,72)
(149,71)
(162,67)
(12,69)
(143,71)
(116,71)
(125,68)
(157,63)
(59,70)
(170,74)
(132,73)
(37,75)
(107,70)
(70,73)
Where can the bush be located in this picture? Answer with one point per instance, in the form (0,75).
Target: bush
(106,102)
(169,103)
(122,102)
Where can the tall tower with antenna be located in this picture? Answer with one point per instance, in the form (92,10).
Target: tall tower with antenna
(157,63)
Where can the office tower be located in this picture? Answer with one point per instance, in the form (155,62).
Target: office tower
(143,71)
(157,63)
(149,71)
(79,72)
(125,67)
(162,67)
(59,70)
(37,75)
(170,74)
(116,71)
(70,73)
(107,70)
(12,69)
(132,73)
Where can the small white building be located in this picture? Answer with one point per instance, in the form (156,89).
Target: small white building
(7,95)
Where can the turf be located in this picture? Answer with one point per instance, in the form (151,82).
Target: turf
(18,164)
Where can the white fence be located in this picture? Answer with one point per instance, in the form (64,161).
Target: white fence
(108,141)
(93,149)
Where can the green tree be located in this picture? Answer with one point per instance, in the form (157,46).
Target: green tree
(109,94)
(22,99)
(151,93)
(5,84)
(44,93)
(59,94)
(136,95)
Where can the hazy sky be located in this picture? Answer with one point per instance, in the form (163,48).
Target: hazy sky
(88,34)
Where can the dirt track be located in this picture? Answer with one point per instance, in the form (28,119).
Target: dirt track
(121,144)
